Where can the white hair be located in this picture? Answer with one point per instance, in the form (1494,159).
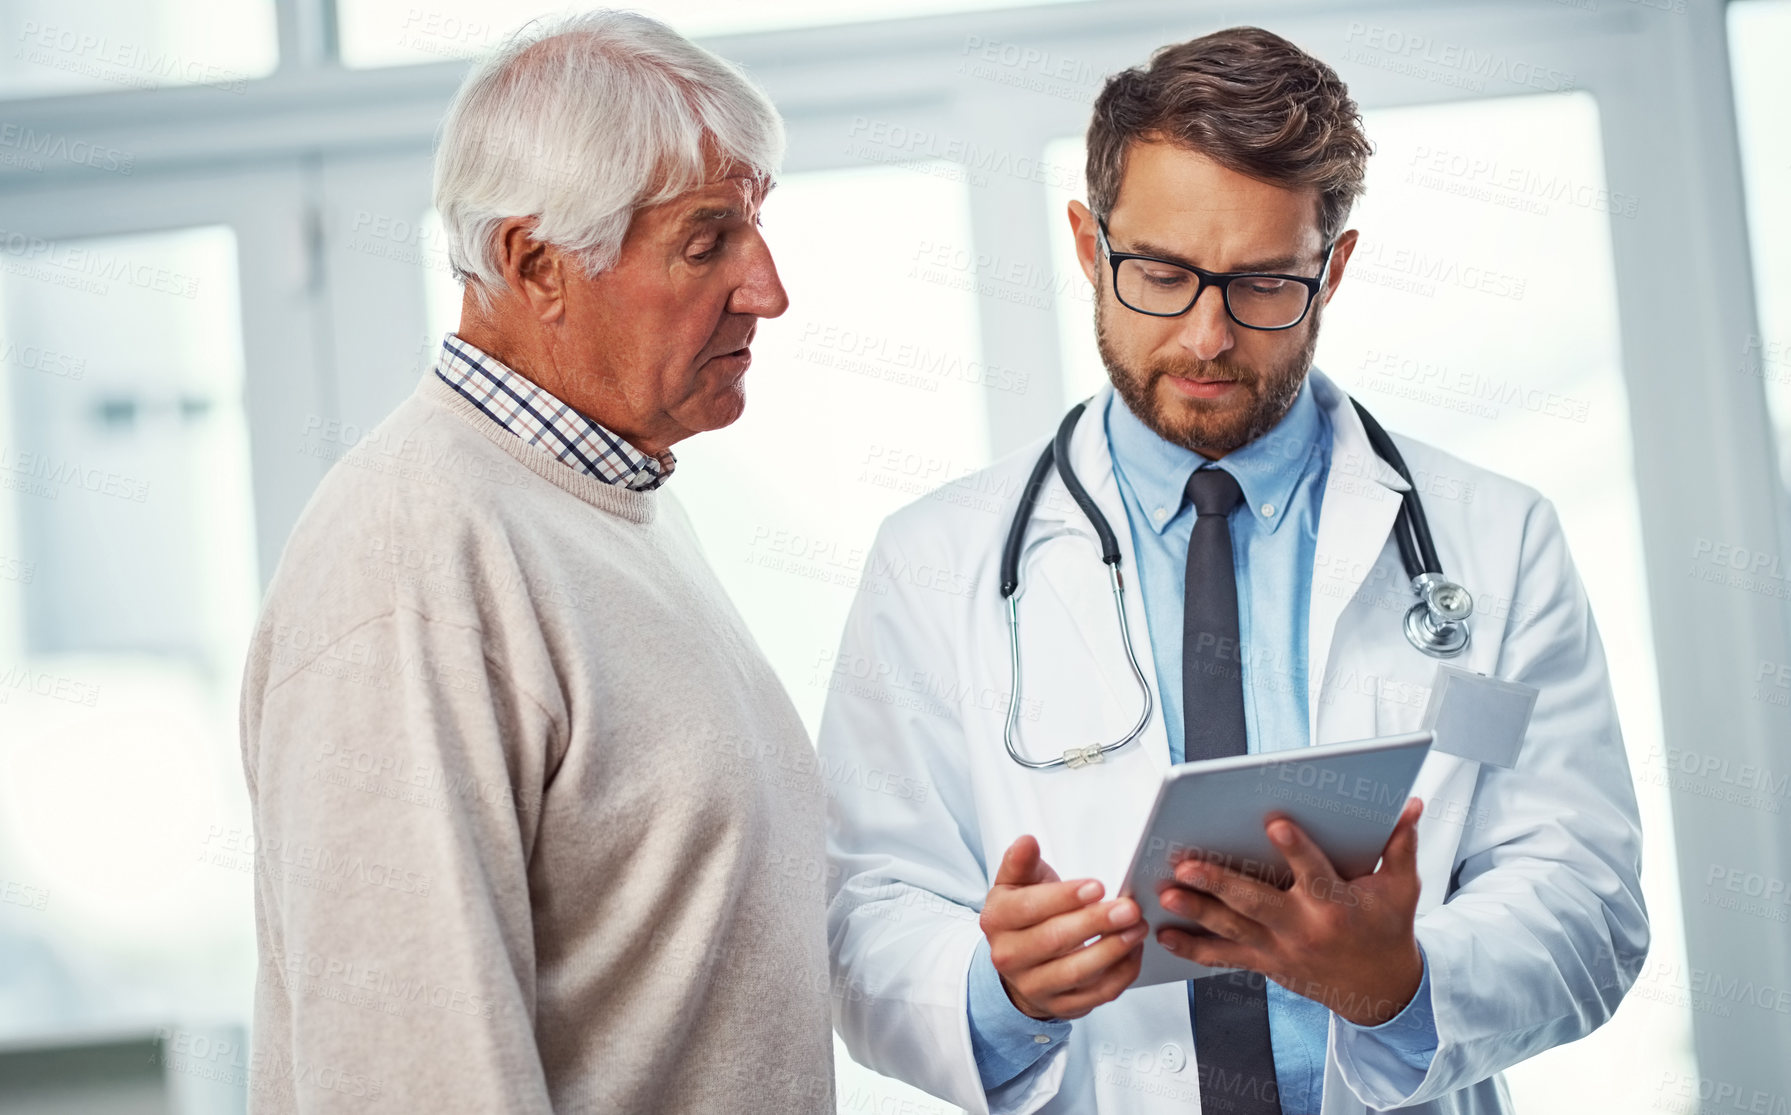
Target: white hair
(578,122)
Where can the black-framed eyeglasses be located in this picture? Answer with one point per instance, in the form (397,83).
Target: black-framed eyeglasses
(1168,288)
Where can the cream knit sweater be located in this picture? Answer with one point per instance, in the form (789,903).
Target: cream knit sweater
(536,826)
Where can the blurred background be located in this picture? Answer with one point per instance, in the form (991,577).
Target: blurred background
(219,269)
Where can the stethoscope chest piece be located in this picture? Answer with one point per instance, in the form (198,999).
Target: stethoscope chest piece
(1437,623)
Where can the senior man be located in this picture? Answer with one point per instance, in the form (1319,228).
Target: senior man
(527,837)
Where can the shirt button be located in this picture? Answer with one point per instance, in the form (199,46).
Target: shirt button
(1159,514)
(1268,510)
(1042,1039)
(1171,1057)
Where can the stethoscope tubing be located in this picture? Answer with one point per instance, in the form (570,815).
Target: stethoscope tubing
(1411,533)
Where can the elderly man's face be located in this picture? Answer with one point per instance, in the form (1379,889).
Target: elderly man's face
(655,347)
(671,321)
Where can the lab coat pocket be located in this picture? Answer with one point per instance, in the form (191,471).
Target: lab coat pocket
(1446,786)
(1445,783)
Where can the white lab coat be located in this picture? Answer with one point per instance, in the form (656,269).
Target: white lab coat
(1531,914)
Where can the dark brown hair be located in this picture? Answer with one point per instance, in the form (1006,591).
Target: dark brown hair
(1247,99)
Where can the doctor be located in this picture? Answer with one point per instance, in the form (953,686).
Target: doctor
(979,949)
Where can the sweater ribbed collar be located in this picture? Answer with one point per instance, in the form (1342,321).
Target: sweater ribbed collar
(626,503)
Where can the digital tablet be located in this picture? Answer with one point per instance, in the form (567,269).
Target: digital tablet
(1346,796)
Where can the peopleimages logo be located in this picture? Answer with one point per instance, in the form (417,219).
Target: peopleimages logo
(1399,51)
(1747,892)
(88,269)
(32,148)
(923,143)
(118,61)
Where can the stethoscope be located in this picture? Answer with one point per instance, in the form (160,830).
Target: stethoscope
(1436,625)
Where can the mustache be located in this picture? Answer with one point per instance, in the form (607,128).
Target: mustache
(1196,369)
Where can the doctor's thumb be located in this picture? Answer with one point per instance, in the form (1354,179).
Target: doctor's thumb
(1022,866)
(1401,853)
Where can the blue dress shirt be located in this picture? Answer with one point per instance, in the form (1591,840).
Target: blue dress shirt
(1274,534)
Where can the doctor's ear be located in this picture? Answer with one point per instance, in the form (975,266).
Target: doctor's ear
(1346,246)
(1082,227)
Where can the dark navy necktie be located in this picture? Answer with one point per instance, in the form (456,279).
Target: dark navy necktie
(1231,1012)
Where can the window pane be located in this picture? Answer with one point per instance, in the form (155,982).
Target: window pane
(399,32)
(863,397)
(1479,314)
(127,591)
(441,290)
(57,47)
(1759,42)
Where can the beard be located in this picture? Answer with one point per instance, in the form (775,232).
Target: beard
(1214,427)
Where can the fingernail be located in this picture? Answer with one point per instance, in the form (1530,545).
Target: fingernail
(1133,935)
(1280,833)
(1089,891)
(1167,942)
(1122,913)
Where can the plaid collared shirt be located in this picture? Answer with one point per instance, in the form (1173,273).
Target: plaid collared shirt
(537,417)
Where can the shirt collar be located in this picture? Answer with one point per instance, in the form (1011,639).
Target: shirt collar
(1267,469)
(538,417)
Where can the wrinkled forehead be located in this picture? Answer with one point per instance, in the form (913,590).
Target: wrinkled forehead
(729,194)
(731,198)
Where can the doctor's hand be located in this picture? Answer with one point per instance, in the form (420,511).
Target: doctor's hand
(1060,951)
(1345,943)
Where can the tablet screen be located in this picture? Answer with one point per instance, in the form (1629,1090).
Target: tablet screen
(1346,796)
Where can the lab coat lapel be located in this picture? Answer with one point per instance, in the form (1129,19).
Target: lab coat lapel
(1362,497)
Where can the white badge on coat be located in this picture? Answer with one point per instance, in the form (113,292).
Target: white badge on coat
(1478,717)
